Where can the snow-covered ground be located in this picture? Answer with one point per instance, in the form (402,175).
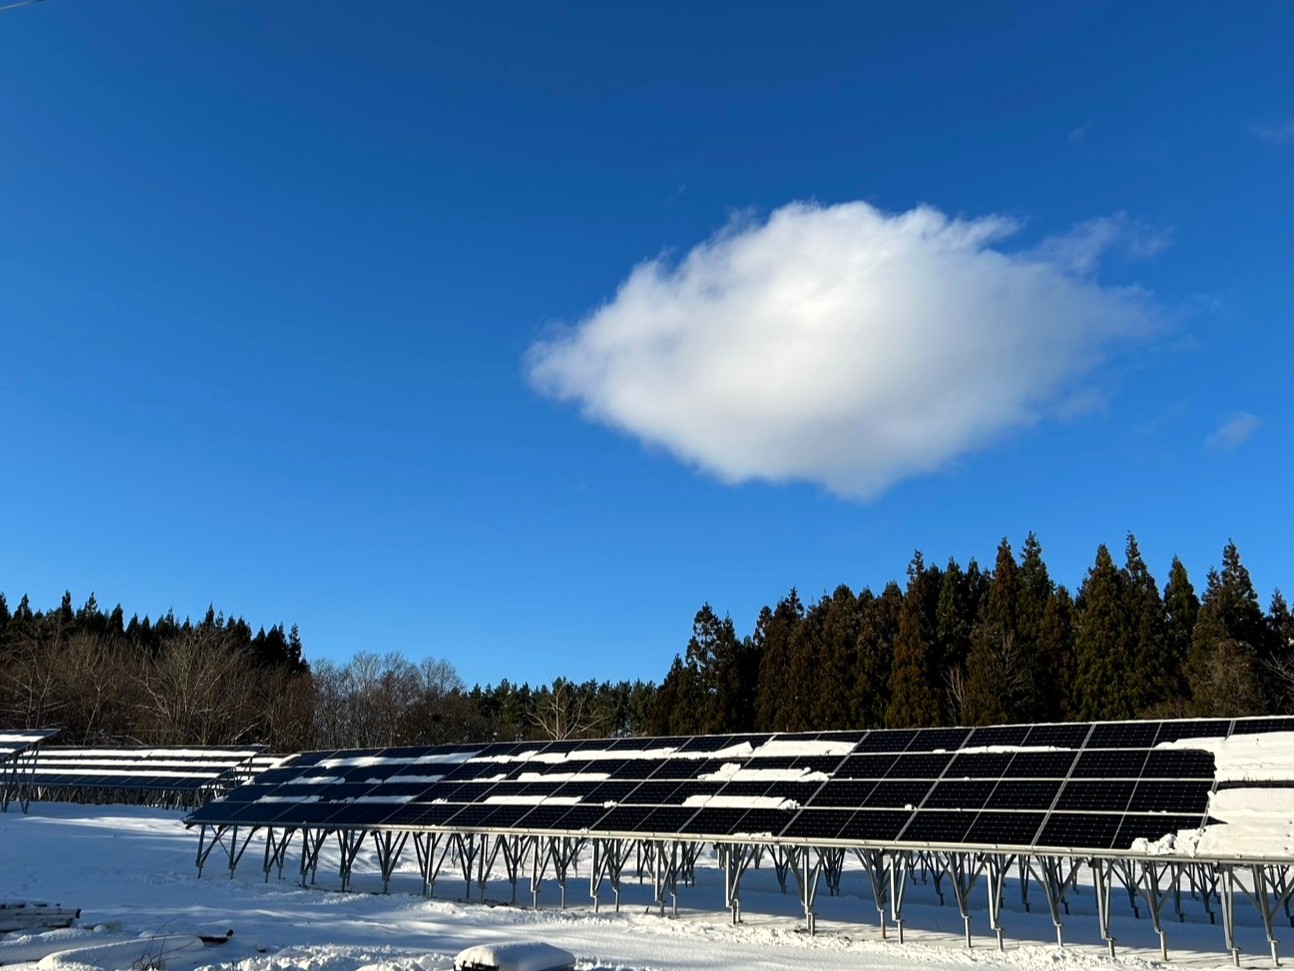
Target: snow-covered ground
(135,866)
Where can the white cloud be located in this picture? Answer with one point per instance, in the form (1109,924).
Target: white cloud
(1235,431)
(1274,133)
(843,345)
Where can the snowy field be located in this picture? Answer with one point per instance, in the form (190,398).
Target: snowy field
(131,872)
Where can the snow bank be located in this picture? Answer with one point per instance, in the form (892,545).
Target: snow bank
(518,956)
(779,747)
(1267,757)
(736,772)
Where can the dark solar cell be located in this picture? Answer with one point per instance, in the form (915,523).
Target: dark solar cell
(1179,764)
(1159,795)
(652,793)
(542,817)
(997,735)
(1123,735)
(706,743)
(505,815)
(622,819)
(633,769)
(816,763)
(402,790)
(895,740)
(676,769)
(937,826)
(1024,794)
(367,815)
(844,793)
(850,735)
(1102,796)
(1152,827)
(879,825)
(665,820)
(865,767)
(1109,764)
(897,795)
(424,815)
(959,794)
(1200,728)
(771,761)
(566,745)
(686,789)
(704,767)
(1040,765)
(1060,736)
(1254,726)
(934,739)
(714,822)
(1008,829)
(921,765)
(477,770)
(817,824)
(758,822)
(248,793)
(582,817)
(745,787)
(801,792)
(978,765)
(1080,831)
(638,744)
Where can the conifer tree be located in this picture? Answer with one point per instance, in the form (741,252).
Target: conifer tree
(878,619)
(1230,644)
(915,698)
(1281,666)
(1056,651)
(837,646)
(805,670)
(999,683)
(1182,607)
(775,631)
(1153,674)
(1099,635)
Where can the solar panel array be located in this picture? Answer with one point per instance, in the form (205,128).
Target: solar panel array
(1091,786)
(142,768)
(14,743)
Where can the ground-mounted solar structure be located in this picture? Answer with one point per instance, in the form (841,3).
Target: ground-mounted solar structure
(18,751)
(1156,809)
(176,777)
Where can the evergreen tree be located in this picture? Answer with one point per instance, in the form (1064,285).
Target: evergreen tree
(1099,635)
(1281,666)
(999,679)
(804,674)
(1182,607)
(774,632)
(1033,596)
(1056,651)
(914,685)
(1230,646)
(878,619)
(1153,674)
(837,647)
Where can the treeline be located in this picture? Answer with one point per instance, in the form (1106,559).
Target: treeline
(953,645)
(102,680)
(963,645)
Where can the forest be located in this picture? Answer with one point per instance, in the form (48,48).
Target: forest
(950,645)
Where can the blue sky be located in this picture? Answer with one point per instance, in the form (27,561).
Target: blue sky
(510,334)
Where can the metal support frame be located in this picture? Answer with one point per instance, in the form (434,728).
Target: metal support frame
(965,870)
(312,843)
(425,846)
(886,883)
(1056,876)
(735,858)
(389,845)
(807,869)
(349,843)
(609,858)
(276,849)
(1102,878)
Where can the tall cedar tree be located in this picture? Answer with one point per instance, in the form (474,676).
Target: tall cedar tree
(916,677)
(1100,668)
(998,681)
(1153,673)
(1182,608)
(805,675)
(1281,668)
(878,627)
(1056,653)
(1230,645)
(835,686)
(775,630)
(714,658)
(1034,594)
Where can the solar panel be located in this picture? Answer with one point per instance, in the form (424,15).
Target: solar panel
(1074,787)
(61,772)
(14,743)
